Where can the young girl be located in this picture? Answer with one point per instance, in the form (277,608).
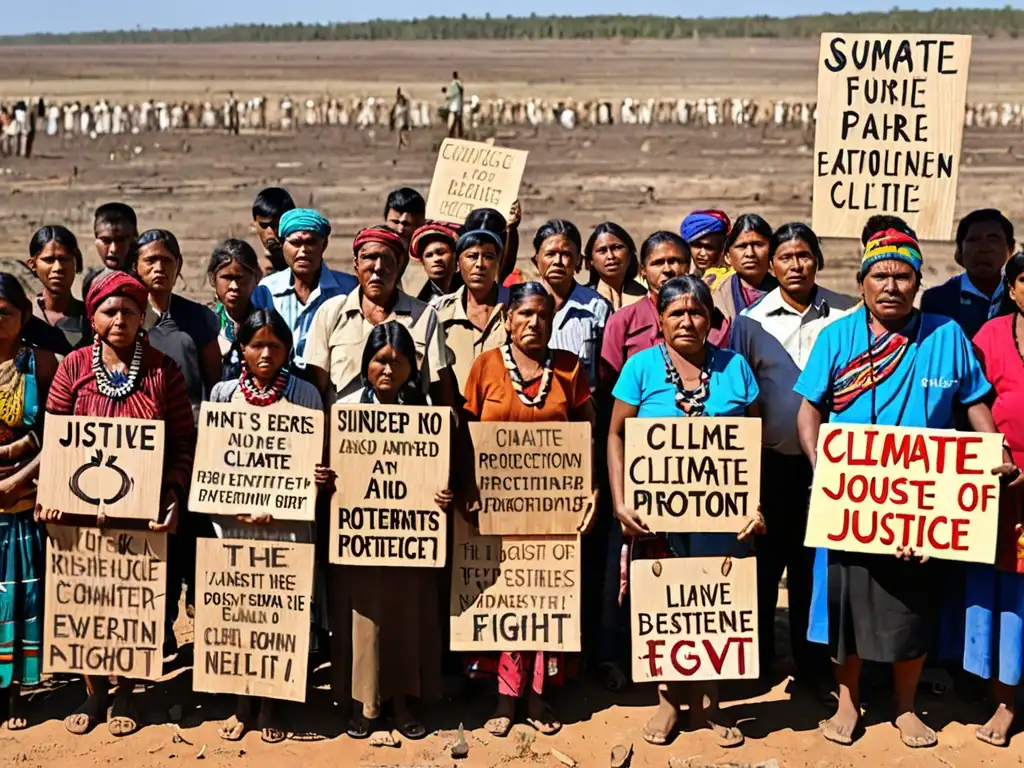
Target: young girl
(266,345)
(233,273)
(54,257)
(386,643)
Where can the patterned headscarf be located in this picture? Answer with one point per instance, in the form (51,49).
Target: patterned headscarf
(430,231)
(891,244)
(303,220)
(379,234)
(115,283)
(702,223)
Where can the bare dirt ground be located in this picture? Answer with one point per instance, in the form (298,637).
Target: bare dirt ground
(201,187)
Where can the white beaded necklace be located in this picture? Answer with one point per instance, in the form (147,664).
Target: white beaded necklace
(105,379)
(518,384)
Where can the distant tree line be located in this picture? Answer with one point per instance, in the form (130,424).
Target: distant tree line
(1005,22)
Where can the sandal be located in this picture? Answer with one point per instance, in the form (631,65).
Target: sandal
(123,724)
(621,754)
(498,726)
(411,728)
(272,735)
(544,724)
(358,728)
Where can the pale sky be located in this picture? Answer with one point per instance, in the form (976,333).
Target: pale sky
(25,16)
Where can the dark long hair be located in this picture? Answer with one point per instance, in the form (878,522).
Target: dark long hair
(747,222)
(62,236)
(232,250)
(796,231)
(164,237)
(259,319)
(1014,269)
(610,228)
(395,335)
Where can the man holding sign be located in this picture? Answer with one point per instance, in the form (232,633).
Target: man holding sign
(886,364)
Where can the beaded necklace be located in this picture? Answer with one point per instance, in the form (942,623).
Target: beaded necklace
(254,395)
(117,385)
(689,401)
(519,384)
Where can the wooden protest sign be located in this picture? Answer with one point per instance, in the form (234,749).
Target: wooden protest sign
(473,174)
(514,593)
(890,126)
(251,459)
(105,597)
(691,621)
(252,617)
(687,475)
(391,461)
(878,488)
(534,478)
(92,465)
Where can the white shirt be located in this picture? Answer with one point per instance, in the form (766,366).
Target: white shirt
(776,341)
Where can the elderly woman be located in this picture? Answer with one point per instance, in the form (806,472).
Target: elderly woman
(878,607)
(526,380)
(341,327)
(705,232)
(610,256)
(122,376)
(682,376)
(25,376)
(54,257)
(473,317)
(433,246)
(233,273)
(580,312)
(747,255)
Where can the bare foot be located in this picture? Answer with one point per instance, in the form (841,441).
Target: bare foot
(501,721)
(997,730)
(15,720)
(662,725)
(540,716)
(87,716)
(914,733)
(122,719)
(840,727)
(267,723)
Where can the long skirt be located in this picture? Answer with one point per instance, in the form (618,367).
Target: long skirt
(386,635)
(22,566)
(994,619)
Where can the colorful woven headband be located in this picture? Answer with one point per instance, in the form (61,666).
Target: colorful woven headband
(702,223)
(115,284)
(433,230)
(303,220)
(379,234)
(493,237)
(891,244)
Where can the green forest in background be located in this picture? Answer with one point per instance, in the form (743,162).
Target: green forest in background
(1006,22)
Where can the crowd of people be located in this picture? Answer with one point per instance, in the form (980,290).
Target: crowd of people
(725,318)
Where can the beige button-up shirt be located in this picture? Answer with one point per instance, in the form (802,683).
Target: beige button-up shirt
(464,341)
(339,333)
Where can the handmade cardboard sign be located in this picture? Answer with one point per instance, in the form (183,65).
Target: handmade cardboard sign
(472,174)
(878,488)
(514,593)
(688,475)
(92,465)
(251,459)
(391,461)
(692,619)
(534,478)
(252,617)
(890,126)
(105,597)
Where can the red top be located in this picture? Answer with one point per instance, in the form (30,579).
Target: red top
(161,396)
(630,330)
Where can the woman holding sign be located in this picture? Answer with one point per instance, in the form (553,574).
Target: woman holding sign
(25,376)
(121,375)
(683,376)
(888,364)
(526,381)
(266,347)
(386,643)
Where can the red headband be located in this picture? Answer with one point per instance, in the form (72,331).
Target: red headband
(442,230)
(379,234)
(115,283)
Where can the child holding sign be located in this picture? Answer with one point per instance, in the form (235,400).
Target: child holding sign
(266,344)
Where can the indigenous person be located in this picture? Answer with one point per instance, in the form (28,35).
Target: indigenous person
(746,254)
(265,379)
(610,256)
(878,607)
(580,312)
(299,291)
(473,317)
(267,209)
(984,243)
(405,212)
(122,375)
(775,336)
(233,273)
(386,643)
(432,246)
(682,376)
(507,230)
(400,119)
(455,100)
(25,376)
(705,232)
(54,257)
(994,619)
(526,380)
(343,324)
(116,228)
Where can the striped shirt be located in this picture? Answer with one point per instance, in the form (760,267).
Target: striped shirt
(277,291)
(579,327)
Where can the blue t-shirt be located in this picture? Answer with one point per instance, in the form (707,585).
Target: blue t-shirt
(731,388)
(731,385)
(937,371)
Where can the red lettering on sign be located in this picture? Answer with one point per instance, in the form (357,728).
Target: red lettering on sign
(825,447)
(959,533)
(653,656)
(962,456)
